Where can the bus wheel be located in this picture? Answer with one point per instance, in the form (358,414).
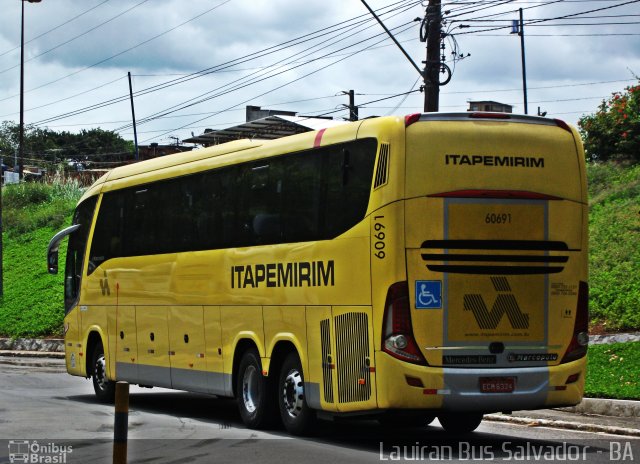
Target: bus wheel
(253,390)
(403,420)
(105,389)
(463,422)
(296,415)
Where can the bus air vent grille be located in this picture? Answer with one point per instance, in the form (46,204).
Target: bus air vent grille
(327,367)
(382,171)
(506,257)
(352,357)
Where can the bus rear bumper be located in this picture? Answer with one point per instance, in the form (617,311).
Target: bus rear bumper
(458,389)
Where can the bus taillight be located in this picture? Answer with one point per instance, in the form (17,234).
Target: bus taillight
(397,338)
(580,339)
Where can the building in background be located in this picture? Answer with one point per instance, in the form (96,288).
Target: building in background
(263,124)
(490,106)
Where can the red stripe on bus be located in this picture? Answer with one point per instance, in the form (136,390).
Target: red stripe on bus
(316,142)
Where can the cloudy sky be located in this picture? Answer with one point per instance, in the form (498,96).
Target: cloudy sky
(197,64)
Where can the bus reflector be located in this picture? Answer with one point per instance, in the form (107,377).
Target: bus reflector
(397,332)
(580,339)
(414,381)
(573,378)
(411,118)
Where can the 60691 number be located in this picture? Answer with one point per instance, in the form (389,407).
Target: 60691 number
(497,218)
(379,235)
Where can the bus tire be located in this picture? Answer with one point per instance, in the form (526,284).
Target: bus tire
(297,417)
(460,422)
(104,388)
(254,392)
(395,419)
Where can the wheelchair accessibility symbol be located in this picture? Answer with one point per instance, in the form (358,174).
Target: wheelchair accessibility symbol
(428,294)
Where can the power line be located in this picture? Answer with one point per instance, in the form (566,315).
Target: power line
(78,36)
(128,49)
(68,98)
(261,53)
(269,91)
(56,27)
(253,80)
(535,21)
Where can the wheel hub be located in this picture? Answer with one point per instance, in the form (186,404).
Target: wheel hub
(293,393)
(101,372)
(250,394)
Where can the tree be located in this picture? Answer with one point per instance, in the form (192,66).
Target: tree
(613,132)
(45,144)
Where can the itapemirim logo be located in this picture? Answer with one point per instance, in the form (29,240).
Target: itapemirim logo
(505,303)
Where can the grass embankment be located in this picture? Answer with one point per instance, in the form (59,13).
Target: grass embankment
(614,241)
(33,300)
(613,371)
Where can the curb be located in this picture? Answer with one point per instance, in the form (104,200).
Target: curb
(51,345)
(31,354)
(531,422)
(606,407)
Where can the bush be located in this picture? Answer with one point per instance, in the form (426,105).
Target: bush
(20,195)
(31,206)
(613,132)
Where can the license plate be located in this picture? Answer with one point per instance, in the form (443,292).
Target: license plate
(497,384)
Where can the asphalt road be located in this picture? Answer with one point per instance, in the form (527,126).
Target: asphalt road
(49,416)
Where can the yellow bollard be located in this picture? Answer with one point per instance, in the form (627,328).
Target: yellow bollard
(121,423)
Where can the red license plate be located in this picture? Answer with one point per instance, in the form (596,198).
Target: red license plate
(497,384)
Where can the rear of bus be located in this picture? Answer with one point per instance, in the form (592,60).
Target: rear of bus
(495,222)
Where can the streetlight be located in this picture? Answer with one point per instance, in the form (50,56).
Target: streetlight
(21,140)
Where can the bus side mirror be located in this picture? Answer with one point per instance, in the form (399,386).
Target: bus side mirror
(54,245)
(52,261)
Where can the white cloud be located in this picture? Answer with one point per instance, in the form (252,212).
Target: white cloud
(240,27)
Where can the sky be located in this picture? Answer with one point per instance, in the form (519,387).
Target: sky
(196,64)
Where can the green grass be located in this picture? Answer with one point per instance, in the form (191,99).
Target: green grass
(32,304)
(613,371)
(614,242)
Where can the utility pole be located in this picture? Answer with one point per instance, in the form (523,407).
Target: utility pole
(133,116)
(21,135)
(1,231)
(432,65)
(353,109)
(524,66)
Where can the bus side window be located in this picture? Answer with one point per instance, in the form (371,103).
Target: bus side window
(260,203)
(301,195)
(347,176)
(107,235)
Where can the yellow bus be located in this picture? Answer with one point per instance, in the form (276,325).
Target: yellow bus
(400,268)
